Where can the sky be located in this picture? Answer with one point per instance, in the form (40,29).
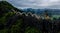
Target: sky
(54,4)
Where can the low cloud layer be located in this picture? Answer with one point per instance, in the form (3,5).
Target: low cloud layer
(35,3)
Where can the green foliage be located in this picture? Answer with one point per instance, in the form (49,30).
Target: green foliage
(54,18)
(32,30)
(6,13)
(4,31)
(4,18)
(5,4)
(16,27)
(5,7)
(9,14)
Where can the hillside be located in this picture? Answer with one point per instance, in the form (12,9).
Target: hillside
(9,21)
(6,7)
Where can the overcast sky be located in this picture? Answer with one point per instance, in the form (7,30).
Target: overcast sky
(35,3)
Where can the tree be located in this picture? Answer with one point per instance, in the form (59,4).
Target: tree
(54,18)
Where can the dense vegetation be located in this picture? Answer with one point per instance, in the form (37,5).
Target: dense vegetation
(6,15)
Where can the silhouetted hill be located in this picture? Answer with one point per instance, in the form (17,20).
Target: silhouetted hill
(6,7)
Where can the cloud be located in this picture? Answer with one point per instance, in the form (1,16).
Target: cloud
(35,3)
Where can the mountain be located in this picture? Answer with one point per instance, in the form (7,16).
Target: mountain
(41,11)
(6,7)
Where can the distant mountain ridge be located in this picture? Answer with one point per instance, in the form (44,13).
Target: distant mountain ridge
(41,11)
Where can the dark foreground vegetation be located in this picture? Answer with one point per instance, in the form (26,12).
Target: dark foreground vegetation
(13,22)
